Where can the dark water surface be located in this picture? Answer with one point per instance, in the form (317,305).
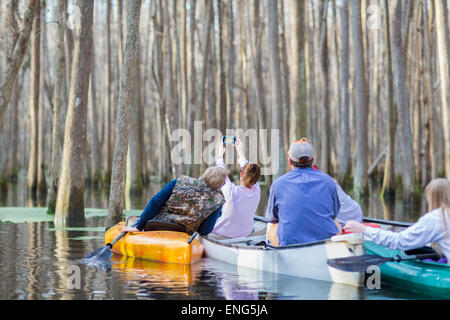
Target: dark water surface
(39,261)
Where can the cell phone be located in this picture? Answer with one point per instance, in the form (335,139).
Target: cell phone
(229,140)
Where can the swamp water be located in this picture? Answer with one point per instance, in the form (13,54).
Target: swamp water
(39,261)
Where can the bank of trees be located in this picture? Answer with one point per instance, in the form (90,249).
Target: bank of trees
(366,81)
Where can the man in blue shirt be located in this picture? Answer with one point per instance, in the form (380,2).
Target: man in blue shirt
(303,203)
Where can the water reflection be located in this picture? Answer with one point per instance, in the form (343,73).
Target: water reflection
(373,205)
(36,261)
(36,258)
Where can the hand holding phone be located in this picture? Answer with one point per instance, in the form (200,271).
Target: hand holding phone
(239,148)
(229,140)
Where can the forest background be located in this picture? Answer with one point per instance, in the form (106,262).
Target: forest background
(367,81)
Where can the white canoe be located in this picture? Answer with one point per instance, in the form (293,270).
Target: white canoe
(306,260)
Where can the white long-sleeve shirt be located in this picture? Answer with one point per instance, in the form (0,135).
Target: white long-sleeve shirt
(350,209)
(239,207)
(429,228)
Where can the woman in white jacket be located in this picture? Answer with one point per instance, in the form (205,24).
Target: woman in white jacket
(434,226)
(241,201)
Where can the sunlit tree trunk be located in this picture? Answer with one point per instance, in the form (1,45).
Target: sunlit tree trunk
(41,181)
(388,187)
(70,201)
(35,50)
(126,96)
(57,104)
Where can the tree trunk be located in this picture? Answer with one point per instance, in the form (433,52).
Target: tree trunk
(35,50)
(398,44)
(70,200)
(13,166)
(96,154)
(262,119)
(9,29)
(299,113)
(345,160)
(222,77)
(201,111)
(133,179)
(179,78)
(108,105)
(325,105)
(18,53)
(428,99)
(8,37)
(285,83)
(231,59)
(126,95)
(360,181)
(442,41)
(388,187)
(41,182)
(277,99)
(192,70)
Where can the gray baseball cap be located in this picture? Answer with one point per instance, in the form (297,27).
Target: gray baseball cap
(299,150)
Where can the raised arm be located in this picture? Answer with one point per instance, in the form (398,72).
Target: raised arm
(229,187)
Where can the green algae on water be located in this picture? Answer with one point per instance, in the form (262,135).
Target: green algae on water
(25,214)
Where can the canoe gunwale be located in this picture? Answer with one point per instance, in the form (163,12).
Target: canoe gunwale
(264,247)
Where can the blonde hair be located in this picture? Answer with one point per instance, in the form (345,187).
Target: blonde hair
(215,177)
(437,193)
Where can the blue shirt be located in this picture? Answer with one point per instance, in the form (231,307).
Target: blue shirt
(155,204)
(304,202)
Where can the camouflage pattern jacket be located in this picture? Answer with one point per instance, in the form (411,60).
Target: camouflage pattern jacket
(191,202)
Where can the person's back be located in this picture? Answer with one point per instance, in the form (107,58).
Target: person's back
(304,203)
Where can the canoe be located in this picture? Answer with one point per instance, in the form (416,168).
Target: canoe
(307,260)
(163,246)
(430,278)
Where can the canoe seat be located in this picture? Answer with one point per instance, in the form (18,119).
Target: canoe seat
(157,225)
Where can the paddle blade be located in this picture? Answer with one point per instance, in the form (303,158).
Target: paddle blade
(357,263)
(98,256)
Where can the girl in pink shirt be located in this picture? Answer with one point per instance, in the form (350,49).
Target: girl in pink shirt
(241,200)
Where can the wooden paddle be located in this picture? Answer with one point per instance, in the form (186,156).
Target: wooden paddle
(361,263)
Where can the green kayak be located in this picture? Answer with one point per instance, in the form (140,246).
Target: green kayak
(430,278)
